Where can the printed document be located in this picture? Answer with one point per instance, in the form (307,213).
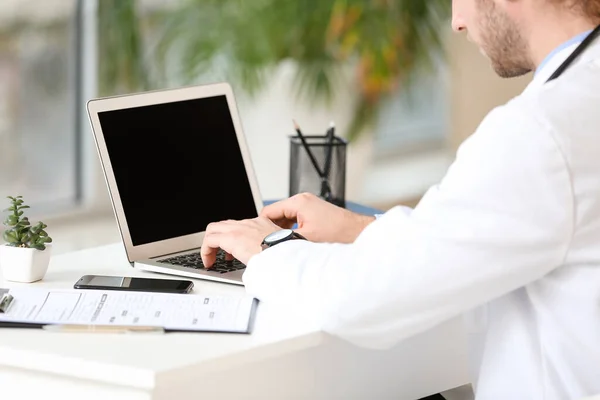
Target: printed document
(176,312)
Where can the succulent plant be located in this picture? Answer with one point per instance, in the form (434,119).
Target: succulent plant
(20,232)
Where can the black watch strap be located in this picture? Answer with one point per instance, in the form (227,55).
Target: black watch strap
(266,243)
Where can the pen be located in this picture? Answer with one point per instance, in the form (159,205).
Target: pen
(329,138)
(310,154)
(102,329)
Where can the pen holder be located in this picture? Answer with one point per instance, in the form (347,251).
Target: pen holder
(304,176)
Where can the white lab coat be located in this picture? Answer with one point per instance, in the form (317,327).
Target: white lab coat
(511,236)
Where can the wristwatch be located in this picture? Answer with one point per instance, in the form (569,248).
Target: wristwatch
(280,236)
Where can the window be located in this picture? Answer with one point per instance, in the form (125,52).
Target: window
(52,61)
(37,102)
(416,119)
(411,150)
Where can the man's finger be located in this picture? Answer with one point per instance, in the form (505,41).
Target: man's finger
(282,210)
(220,227)
(210,248)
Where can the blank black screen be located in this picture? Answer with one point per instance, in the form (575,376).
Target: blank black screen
(178,167)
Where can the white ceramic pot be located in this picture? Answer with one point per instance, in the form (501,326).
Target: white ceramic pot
(22,264)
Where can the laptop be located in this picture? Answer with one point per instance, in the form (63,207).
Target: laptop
(174,161)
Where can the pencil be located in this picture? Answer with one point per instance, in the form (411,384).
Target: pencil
(330,139)
(325,185)
(313,160)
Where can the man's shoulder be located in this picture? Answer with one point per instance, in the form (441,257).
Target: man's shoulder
(558,103)
(512,130)
(564,112)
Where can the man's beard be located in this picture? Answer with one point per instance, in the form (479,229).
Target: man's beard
(502,42)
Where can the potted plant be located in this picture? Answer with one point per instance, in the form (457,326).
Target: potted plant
(26,254)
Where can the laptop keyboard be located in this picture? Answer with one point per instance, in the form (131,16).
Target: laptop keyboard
(193,260)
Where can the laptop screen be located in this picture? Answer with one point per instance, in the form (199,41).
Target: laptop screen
(178,166)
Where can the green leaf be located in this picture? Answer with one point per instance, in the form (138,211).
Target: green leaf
(44,239)
(10,237)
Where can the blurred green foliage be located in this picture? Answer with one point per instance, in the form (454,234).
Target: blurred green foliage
(382,41)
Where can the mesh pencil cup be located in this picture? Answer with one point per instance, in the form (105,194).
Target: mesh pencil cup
(305,177)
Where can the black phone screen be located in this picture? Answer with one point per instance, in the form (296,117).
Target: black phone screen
(134,284)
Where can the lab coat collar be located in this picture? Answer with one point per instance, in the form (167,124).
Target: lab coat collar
(592,52)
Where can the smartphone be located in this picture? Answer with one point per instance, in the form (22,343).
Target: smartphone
(103,282)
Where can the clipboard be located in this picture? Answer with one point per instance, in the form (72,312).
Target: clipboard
(98,310)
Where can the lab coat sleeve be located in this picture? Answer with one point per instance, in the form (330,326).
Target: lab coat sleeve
(407,210)
(501,218)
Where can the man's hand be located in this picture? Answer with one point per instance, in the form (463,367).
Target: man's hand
(240,239)
(318,220)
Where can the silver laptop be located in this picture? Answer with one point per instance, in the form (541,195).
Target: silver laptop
(175,161)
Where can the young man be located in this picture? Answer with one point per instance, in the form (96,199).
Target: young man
(511,233)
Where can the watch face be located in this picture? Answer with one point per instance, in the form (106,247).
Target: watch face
(278,235)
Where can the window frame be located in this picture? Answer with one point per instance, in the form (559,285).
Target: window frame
(91,199)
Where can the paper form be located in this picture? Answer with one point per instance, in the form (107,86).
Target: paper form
(99,307)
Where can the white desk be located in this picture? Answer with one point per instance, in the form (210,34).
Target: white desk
(282,359)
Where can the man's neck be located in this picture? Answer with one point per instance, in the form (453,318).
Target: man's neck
(550,35)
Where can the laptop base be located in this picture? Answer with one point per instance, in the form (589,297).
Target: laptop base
(234,277)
